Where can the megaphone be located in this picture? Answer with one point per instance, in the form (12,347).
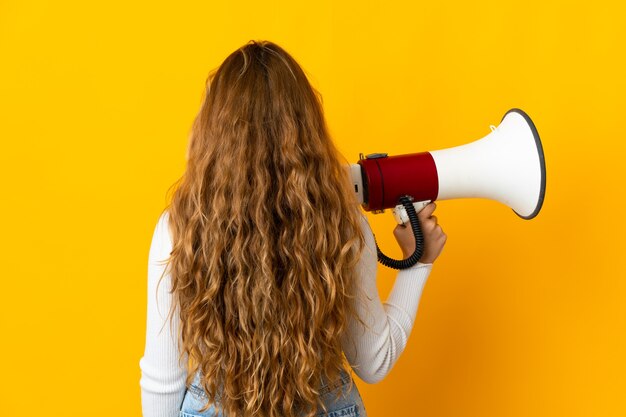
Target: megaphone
(507,165)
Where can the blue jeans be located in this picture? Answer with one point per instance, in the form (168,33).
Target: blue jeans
(349,404)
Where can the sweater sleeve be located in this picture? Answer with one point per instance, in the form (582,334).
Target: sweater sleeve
(373,351)
(162,376)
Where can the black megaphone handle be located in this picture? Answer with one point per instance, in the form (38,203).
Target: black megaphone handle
(406,201)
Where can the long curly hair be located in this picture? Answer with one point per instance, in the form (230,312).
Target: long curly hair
(266,235)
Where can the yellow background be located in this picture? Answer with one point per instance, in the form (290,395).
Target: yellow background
(518,318)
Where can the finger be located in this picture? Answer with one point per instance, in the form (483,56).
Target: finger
(427,211)
(434,218)
(428,225)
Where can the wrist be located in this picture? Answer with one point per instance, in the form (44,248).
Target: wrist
(422,260)
(425,260)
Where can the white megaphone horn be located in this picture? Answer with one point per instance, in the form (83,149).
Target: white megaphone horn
(507,165)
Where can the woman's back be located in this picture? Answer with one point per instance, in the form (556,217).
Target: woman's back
(270,263)
(371,352)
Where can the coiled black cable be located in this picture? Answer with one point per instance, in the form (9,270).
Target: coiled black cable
(406,201)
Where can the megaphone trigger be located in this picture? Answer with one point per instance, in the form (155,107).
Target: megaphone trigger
(400,214)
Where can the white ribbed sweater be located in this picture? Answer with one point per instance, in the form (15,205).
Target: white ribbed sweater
(371,352)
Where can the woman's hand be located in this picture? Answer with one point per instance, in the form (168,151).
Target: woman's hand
(434,237)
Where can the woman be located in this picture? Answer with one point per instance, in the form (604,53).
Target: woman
(262,269)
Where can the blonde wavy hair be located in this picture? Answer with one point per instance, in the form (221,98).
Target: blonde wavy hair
(266,237)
